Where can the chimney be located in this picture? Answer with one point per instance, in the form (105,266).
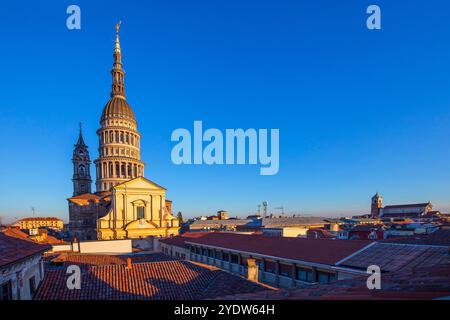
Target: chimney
(128,263)
(252,270)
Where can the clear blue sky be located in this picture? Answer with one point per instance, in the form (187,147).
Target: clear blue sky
(359,111)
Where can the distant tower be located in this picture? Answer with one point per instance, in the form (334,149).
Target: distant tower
(377,204)
(81,168)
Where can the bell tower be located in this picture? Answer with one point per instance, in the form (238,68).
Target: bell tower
(377,204)
(81,167)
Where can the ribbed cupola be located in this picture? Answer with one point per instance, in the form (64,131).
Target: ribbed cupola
(119,141)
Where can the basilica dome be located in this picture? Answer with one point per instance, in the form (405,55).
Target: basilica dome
(117,107)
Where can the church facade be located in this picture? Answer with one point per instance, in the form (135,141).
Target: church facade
(125,204)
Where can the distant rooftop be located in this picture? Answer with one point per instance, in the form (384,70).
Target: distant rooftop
(180,241)
(439,238)
(409,205)
(40,219)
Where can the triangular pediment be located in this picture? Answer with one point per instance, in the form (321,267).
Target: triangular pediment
(139,183)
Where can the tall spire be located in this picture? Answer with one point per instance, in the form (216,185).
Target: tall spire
(118,75)
(80,141)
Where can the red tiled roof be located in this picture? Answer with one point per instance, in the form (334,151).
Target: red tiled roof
(87,260)
(13,249)
(322,233)
(169,280)
(439,238)
(40,219)
(180,241)
(85,198)
(393,257)
(323,251)
(410,205)
(418,284)
(53,240)
(15,233)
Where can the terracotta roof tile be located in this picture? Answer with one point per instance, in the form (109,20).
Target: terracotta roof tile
(14,249)
(418,284)
(324,251)
(168,280)
(180,241)
(409,205)
(40,219)
(89,260)
(439,237)
(394,257)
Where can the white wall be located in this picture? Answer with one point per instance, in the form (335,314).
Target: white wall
(20,274)
(107,246)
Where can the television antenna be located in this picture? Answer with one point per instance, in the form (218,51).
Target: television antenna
(265,208)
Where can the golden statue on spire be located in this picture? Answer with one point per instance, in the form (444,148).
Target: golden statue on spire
(118,26)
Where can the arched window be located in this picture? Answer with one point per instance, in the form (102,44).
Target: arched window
(81,170)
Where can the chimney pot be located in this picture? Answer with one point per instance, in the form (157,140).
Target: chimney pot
(252,270)
(128,263)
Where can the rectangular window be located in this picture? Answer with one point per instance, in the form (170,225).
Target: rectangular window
(140,212)
(218,255)
(285,270)
(234,258)
(325,277)
(304,274)
(6,291)
(210,253)
(269,266)
(226,257)
(32,283)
